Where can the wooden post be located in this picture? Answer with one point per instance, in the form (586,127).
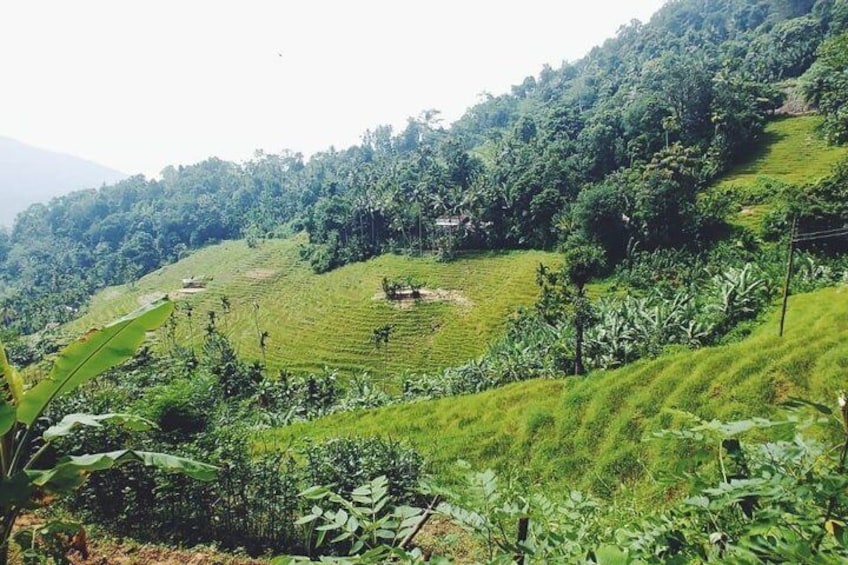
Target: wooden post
(788,274)
(431,509)
(523,524)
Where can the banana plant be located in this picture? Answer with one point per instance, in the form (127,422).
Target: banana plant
(24,483)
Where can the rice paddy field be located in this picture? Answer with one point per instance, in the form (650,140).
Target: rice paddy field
(792,152)
(315,321)
(589,433)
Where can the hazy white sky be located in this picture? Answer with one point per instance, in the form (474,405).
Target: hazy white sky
(140,85)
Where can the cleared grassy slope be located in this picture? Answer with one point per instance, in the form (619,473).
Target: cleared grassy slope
(587,432)
(791,152)
(328,319)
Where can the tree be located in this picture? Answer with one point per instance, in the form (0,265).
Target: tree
(826,85)
(584,260)
(23,481)
(564,291)
(380,338)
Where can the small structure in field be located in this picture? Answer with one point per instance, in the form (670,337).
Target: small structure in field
(193,282)
(451,222)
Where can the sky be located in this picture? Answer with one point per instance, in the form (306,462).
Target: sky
(139,85)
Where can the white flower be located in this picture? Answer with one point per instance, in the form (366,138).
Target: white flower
(843,402)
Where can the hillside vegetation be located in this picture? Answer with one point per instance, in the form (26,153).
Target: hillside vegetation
(612,148)
(328,320)
(587,432)
(791,151)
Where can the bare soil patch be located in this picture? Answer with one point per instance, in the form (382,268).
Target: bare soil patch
(115,553)
(260,274)
(106,551)
(185,292)
(145,299)
(405,299)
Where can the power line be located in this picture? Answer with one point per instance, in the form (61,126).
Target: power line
(795,237)
(806,237)
(823,231)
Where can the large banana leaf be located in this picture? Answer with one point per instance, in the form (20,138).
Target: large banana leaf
(11,388)
(98,351)
(71,421)
(71,472)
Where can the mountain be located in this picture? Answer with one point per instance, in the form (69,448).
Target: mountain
(29,174)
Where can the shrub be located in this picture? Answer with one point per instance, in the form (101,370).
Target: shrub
(182,408)
(346,463)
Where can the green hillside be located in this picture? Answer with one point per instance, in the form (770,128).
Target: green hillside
(586,433)
(317,320)
(791,152)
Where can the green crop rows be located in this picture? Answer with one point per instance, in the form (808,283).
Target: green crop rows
(327,320)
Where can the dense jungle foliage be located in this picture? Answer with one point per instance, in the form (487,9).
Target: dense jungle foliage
(616,145)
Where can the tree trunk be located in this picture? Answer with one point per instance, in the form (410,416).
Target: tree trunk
(7,518)
(578,346)
(579,326)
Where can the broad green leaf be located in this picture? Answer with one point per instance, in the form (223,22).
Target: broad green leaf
(411,521)
(15,490)
(340,519)
(174,464)
(59,527)
(11,388)
(93,354)
(730,429)
(7,417)
(71,472)
(306,519)
(10,380)
(341,537)
(315,492)
(611,555)
(71,421)
(794,403)
(385,534)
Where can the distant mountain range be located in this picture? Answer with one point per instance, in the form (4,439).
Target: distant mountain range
(29,174)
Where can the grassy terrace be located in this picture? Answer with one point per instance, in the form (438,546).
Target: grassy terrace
(328,319)
(791,152)
(587,432)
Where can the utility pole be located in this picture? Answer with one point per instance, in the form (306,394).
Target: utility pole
(788,273)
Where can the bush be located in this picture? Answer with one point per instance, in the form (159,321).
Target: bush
(346,463)
(182,408)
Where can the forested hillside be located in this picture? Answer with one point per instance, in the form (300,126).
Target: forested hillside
(615,146)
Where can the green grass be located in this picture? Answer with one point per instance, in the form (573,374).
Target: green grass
(791,152)
(587,432)
(317,320)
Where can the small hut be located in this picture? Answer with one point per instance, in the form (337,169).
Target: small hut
(193,282)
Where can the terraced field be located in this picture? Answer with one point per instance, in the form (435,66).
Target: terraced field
(317,320)
(588,432)
(791,152)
